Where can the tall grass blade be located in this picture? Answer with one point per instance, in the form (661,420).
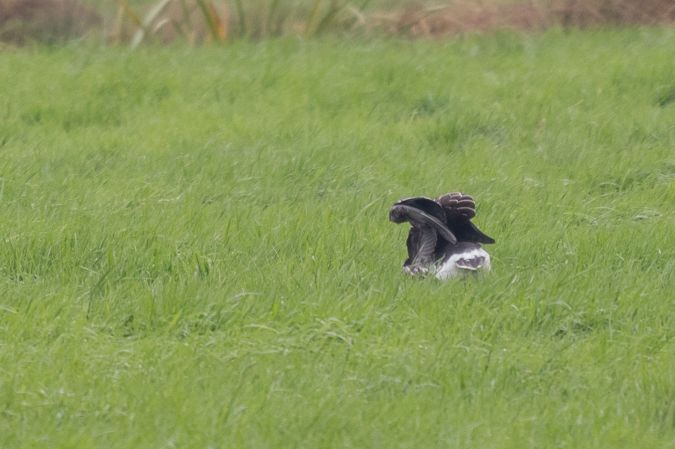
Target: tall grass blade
(185,27)
(148,20)
(161,24)
(358,18)
(313,17)
(241,14)
(178,28)
(328,18)
(116,33)
(186,13)
(270,17)
(130,13)
(220,26)
(213,20)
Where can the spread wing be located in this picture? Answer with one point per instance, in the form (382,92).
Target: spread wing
(427,205)
(466,231)
(422,212)
(459,210)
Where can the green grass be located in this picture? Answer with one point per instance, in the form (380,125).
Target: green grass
(195,251)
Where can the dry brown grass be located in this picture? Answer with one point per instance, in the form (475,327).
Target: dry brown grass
(53,20)
(584,13)
(470,16)
(23,21)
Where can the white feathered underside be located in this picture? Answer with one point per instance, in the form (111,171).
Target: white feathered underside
(473,260)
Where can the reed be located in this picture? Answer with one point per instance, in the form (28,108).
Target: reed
(218,21)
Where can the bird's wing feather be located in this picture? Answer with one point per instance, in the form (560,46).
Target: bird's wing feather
(459,210)
(420,218)
(459,204)
(426,247)
(466,231)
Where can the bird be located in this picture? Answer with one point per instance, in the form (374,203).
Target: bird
(443,241)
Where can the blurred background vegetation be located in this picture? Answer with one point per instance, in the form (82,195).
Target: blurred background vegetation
(134,22)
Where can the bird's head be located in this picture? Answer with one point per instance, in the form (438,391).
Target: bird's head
(398,214)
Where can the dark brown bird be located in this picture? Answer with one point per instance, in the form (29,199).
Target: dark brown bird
(442,241)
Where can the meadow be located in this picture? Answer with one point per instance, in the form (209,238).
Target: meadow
(195,251)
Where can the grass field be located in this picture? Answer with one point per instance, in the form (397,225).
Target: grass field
(195,251)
